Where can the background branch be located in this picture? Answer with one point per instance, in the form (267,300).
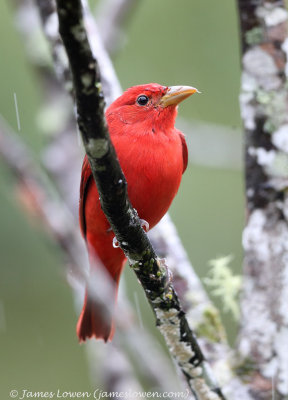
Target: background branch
(264,326)
(112,17)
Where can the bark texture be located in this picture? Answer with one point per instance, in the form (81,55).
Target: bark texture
(263,338)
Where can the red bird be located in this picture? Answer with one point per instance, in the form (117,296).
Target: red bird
(153,156)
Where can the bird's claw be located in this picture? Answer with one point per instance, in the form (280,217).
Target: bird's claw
(115,243)
(144,225)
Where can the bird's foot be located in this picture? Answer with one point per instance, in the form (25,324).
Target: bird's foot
(115,243)
(144,225)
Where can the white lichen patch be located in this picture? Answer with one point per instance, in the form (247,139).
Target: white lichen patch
(259,64)
(259,329)
(284,282)
(248,111)
(249,84)
(256,236)
(97,148)
(201,376)
(280,138)
(264,157)
(285,206)
(281,347)
(87,79)
(277,367)
(279,167)
(265,298)
(203,391)
(272,16)
(270,369)
(285,49)
(169,325)
(250,192)
(275,164)
(78,32)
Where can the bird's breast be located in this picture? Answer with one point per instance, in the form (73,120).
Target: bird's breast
(152,165)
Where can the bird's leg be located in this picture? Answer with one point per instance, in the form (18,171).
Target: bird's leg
(144,225)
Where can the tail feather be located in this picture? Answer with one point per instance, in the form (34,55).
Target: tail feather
(94,321)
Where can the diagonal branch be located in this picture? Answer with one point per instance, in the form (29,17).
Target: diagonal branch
(123,219)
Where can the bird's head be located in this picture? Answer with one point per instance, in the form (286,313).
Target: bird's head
(150,106)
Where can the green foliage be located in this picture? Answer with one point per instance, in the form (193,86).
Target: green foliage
(211,326)
(224,284)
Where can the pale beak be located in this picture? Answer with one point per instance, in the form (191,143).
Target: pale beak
(176,94)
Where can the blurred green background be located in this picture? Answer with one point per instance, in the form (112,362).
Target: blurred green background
(191,43)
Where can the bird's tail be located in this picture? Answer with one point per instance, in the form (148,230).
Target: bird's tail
(93,320)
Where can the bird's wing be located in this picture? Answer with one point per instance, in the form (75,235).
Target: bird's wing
(184,151)
(86,179)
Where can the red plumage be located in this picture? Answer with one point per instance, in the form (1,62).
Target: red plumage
(153,155)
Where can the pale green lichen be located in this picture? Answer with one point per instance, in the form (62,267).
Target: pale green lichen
(279,166)
(254,36)
(98,86)
(269,126)
(224,284)
(273,105)
(211,326)
(264,97)
(271,15)
(87,79)
(78,32)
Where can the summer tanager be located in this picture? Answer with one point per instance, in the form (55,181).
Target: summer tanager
(153,156)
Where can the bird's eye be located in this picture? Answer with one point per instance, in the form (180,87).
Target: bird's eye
(142,100)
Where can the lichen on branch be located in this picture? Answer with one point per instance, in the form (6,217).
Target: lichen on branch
(263,335)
